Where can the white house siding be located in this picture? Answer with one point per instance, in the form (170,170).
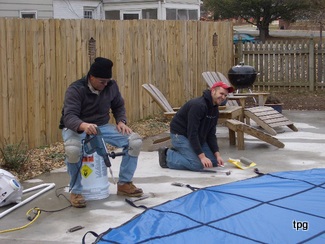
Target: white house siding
(74,9)
(161,6)
(13,8)
(129,1)
(184,1)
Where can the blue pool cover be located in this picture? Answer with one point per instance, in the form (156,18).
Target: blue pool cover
(283,207)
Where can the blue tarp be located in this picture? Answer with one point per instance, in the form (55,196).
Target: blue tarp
(283,207)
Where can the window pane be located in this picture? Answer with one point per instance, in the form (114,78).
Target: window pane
(193,15)
(130,16)
(112,14)
(149,14)
(88,14)
(28,16)
(182,14)
(171,14)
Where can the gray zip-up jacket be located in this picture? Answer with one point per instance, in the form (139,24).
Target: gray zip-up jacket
(82,105)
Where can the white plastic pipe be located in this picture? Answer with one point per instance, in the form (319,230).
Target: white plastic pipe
(48,187)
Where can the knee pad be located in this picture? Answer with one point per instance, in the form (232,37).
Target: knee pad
(73,150)
(135,143)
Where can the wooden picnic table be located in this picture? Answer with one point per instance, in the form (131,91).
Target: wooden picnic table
(233,118)
(240,100)
(230,112)
(261,96)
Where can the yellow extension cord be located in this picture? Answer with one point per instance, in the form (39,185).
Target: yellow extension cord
(37,214)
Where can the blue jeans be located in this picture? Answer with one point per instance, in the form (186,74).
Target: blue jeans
(182,156)
(112,137)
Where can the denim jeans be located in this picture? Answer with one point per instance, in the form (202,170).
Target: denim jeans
(182,156)
(112,137)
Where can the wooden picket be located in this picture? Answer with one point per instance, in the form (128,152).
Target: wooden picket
(40,58)
(297,63)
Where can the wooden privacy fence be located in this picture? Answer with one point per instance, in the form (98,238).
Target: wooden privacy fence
(285,64)
(40,58)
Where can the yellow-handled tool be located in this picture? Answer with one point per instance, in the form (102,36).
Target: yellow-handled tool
(242,163)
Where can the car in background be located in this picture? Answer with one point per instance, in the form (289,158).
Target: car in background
(243,37)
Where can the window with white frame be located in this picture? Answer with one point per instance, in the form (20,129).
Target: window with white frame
(89,12)
(181,14)
(130,14)
(28,14)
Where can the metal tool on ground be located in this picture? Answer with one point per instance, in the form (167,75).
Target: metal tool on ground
(179,184)
(76,228)
(96,143)
(207,171)
(242,163)
(144,196)
(185,185)
(227,172)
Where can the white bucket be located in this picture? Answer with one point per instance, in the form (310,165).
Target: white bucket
(94,177)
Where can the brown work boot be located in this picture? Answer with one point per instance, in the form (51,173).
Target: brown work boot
(77,200)
(129,189)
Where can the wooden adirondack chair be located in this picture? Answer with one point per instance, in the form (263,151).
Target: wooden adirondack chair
(160,99)
(266,117)
(163,139)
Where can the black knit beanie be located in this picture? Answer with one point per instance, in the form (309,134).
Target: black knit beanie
(101,68)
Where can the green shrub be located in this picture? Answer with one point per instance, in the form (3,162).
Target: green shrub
(13,156)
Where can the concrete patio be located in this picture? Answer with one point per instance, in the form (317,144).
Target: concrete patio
(303,150)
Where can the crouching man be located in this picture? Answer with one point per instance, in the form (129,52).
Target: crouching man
(87,105)
(193,132)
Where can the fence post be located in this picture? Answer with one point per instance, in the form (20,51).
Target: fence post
(311,64)
(238,53)
(92,50)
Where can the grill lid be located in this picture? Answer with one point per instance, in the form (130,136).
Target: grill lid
(242,76)
(241,68)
